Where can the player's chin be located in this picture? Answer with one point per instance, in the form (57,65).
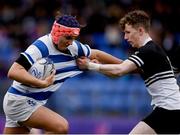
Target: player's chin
(133,45)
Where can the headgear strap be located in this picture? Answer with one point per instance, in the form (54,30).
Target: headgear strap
(59,30)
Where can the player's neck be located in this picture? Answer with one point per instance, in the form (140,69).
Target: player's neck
(146,38)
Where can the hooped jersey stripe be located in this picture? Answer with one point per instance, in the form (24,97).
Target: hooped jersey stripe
(60,81)
(67,69)
(42,47)
(37,95)
(137,60)
(159,76)
(80,50)
(88,51)
(60,58)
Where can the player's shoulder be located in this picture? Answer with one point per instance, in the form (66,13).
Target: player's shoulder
(43,45)
(78,46)
(77,43)
(149,47)
(45,39)
(79,49)
(43,42)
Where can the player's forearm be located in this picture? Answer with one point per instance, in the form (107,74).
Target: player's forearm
(26,78)
(107,69)
(105,58)
(19,74)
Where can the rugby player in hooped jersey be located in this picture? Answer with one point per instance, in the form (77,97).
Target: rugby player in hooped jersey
(156,71)
(24,100)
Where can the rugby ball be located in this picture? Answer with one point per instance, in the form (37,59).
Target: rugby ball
(42,68)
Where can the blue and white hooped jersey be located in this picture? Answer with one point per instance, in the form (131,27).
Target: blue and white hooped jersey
(65,65)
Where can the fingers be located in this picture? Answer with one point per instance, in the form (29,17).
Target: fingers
(52,76)
(83,57)
(83,60)
(50,79)
(95,61)
(53,72)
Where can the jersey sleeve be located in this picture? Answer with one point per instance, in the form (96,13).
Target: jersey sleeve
(35,51)
(138,58)
(23,61)
(78,49)
(175,60)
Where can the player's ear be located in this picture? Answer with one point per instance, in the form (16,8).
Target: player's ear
(141,30)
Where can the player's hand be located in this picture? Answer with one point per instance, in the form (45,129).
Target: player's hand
(82,63)
(49,80)
(95,61)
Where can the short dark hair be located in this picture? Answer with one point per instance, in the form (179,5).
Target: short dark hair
(136,18)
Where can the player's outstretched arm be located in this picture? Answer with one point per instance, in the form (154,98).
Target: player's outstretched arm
(104,57)
(19,73)
(113,70)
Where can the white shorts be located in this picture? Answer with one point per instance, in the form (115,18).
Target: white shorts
(18,108)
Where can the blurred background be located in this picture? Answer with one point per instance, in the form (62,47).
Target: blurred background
(91,102)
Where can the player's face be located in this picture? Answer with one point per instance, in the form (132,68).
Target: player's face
(131,35)
(65,41)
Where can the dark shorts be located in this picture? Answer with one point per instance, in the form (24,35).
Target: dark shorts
(164,121)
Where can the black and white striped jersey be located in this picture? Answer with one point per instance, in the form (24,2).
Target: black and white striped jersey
(158,75)
(174,57)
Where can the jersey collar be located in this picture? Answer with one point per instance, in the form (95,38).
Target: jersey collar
(147,40)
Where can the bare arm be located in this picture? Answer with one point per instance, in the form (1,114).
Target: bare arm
(113,70)
(19,73)
(116,70)
(104,57)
